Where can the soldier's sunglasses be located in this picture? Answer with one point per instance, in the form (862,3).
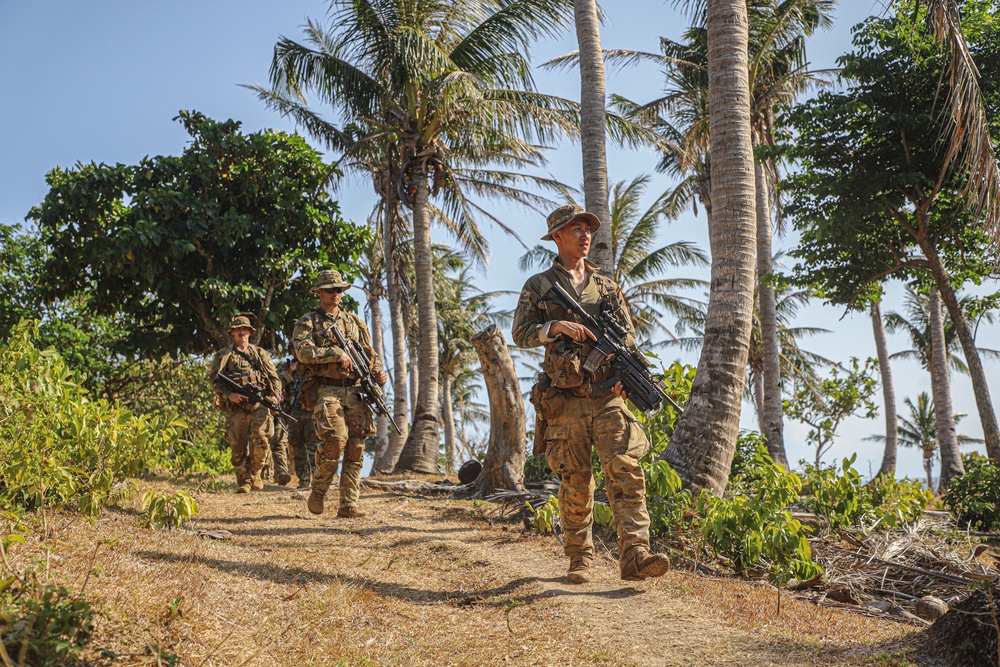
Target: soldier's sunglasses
(333,290)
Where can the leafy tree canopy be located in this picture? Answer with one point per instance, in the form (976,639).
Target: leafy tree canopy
(873,193)
(174,246)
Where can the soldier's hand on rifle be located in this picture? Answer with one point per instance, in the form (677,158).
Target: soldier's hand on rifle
(572,330)
(237,398)
(380,376)
(620,390)
(345,361)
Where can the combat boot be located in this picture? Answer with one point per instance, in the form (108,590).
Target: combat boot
(257,483)
(315,502)
(284,479)
(643,564)
(579,569)
(350,513)
(243,488)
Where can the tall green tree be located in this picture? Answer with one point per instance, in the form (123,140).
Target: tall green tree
(174,246)
(448,85)
(876,196)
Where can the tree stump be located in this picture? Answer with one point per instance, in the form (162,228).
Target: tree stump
(504,464)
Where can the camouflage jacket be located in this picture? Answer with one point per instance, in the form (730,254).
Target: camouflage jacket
(251,367)
(316,346)
(533,317)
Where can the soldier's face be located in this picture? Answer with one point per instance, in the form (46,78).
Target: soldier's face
(241,335)
(330,298)
(574,238)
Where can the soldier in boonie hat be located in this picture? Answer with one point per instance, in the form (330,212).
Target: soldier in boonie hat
(564,215)
(330,279)
(242,321)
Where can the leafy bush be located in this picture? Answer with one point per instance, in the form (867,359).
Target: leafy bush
(536,469)
(750,459)
(754,526)
(666,500)
(545,515)
(974,498)
(840,500)
(833,498)
(891,503)
(59,445)
(40,625)
(168,511)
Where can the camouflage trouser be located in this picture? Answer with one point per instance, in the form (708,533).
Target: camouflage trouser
(248,434)
(605,424)
(342,423)
(302,443)
(277,463)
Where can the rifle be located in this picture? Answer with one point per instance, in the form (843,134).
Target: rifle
(373,396)
(642,388)
(256,395)
(291,403)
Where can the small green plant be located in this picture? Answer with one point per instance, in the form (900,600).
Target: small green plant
(545,514)
(603,515)
(832,497)
(168,511)
(667,501)
(754,527)
(888,502)
(974,498)
(536,468)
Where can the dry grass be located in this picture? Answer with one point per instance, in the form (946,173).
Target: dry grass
(417,582)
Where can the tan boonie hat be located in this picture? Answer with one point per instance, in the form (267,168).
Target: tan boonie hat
(563,215)
(242,321)
(329,279)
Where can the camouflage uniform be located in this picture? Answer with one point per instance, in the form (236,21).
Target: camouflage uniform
(248,427)
(278,460)
(301,432)
(342,418)
(579,415)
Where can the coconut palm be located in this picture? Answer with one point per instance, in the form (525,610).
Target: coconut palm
(920,431)
(797,364)
(448,86)
(592,126)
(636,267)
(888,466)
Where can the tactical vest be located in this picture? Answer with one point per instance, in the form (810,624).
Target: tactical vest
(323,336)
(573,365)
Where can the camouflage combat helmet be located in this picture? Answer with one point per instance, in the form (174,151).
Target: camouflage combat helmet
(564,215)
(242,321)
(329,279)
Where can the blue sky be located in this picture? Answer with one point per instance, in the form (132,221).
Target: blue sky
(101,81)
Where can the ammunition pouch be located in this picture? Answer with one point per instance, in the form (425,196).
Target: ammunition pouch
(564,364)
(309,394)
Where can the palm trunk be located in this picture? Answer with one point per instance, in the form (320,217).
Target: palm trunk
(888,393)
(758,399)
(400,410)
(421,451)
(701,449)
(929,469)
(381,422)
(980,387)
(944,416)
(593,121)
(773,409)
(448,417)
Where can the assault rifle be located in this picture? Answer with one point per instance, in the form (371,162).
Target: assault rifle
(373,396)
(255,395)
(291,402)
(646,391)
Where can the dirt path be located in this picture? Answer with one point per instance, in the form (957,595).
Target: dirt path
(419,582)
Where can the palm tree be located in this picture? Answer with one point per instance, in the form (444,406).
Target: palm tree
(920,431)
(888,466)
(637,268)
(448,86)
(797,364)
(592,126)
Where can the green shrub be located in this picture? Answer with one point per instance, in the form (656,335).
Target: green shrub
(60,445)
(750,459)
(834,498)
(536,469)
(168,511)
(974,498)
(544,516)
(888,502)
(754,527)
